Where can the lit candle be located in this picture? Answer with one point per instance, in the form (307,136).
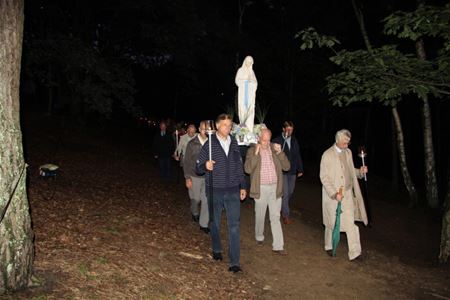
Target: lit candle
(362,154)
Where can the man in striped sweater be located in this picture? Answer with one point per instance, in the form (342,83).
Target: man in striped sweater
(225,188)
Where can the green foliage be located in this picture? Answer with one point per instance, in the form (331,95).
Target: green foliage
(311,39)
(424,21)
(385,74)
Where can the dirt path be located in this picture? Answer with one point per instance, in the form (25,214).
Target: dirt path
(107,229)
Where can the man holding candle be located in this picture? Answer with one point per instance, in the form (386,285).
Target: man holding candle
(195,183)
(221,159)
(183,141)
(337,171)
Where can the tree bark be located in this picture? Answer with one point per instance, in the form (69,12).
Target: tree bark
(430,169)
(16,235)
(394,167)
(445,233)
(399,131)
(402,156)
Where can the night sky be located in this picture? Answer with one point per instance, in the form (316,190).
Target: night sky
(178,59)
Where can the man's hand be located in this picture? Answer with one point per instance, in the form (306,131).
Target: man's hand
(243,194)
(257,147)
(210,165)
(363,170)
(340,194)
(277,148)
(299,174)
(188,183)
(176,157)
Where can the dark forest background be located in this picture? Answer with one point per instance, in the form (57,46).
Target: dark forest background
(109,63)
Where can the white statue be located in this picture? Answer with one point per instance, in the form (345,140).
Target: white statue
(247,85)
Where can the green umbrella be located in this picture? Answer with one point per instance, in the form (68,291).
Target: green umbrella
(337,229)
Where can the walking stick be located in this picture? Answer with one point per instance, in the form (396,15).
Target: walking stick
(362,153)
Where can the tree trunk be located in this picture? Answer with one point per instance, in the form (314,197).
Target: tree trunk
(394,170)
(16,235)
(402,156)
(401,147)
(445,234)
(430,170)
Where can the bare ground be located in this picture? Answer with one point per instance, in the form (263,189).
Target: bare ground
(106,228)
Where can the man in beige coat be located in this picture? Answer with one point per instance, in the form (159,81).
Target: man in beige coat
(337,171)
(265,163)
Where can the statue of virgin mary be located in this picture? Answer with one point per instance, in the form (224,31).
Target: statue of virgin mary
(247,85)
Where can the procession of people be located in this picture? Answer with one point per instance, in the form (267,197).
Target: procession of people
(215,174)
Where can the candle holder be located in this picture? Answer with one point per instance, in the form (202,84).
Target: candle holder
(210,128)
(363,154)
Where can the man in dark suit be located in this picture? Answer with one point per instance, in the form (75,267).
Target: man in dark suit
(163,148)
(289,145)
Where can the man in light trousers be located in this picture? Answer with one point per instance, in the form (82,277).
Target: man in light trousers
(338,173)
(265,163)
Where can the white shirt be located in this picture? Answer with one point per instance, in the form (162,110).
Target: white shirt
(287,140)
(201,140)
(339,150)
(225,143)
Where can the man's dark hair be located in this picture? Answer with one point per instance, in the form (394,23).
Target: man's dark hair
(288,124)
(222,117)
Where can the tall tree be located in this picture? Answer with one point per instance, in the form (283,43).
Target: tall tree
(16,235)
(385,74)
(409,184)
(424,21)
(444,253)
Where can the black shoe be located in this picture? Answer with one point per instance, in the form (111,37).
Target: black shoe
(195,218)
(235,269)
(217,256)
(204,229)
(358,259)
(330,252)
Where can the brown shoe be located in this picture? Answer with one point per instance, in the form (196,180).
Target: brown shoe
(280,252)
(287,220)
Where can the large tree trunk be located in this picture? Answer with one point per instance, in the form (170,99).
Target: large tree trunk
(16,235)
(430,170)
(402,156)
(445,234)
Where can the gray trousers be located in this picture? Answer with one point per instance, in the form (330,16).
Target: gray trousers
(197,194)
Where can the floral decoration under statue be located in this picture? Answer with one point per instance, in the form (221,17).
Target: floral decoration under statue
(244,136)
